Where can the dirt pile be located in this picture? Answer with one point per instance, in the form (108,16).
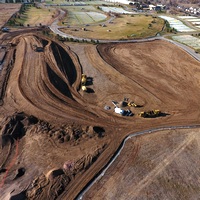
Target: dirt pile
(18,130)
(56,181)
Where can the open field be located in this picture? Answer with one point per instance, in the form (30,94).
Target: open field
(114,10)
(162,165)
(193,20)
(81,18)
(61,2)
(35,16)
(45,116)
(177,24)
(189,40)
(80,15)
(6,11)
(122,27)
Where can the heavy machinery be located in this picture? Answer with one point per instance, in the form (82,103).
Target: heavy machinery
(132,104)
(150,114)
(121,111)
(83,79)
(83,82)
(83,87)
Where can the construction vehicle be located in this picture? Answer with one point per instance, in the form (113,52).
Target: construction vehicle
(83,79)
(150,114)
(132,104)
(121,111)
(83,82)
(83,87)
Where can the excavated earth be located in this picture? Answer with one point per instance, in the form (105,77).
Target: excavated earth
(55,137)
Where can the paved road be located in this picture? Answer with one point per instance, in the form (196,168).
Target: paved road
(55,28)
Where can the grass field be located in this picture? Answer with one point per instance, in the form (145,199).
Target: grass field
(83,2)
(188,40)
(36,16)
(123,27)
(80,18)
(79,15)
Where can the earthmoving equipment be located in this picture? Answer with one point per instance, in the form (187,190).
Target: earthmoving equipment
(132,104)
(83,79)
(83,87)
(83,82)
(121,111)
(150,114)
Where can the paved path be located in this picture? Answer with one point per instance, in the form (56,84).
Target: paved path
(55,28)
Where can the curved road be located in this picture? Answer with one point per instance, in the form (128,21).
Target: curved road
(117,153)
(54,27)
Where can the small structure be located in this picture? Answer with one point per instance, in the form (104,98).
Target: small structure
(121,111)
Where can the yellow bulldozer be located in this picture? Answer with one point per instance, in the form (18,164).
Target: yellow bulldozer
(83,79)
(150,114)
(83,82)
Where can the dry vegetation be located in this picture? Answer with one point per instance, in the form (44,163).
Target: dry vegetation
(34,16)
(123,27)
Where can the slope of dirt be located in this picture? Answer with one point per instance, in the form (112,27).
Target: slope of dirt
(73,130)
(6,11)
(163,165)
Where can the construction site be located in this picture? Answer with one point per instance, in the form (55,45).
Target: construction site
(66,108)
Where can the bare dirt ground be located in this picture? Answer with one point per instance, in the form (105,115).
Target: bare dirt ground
(163,165)
(6,11)
(54,136)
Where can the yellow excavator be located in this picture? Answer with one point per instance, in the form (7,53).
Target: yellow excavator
(150,114)
(83,82)
(132,104)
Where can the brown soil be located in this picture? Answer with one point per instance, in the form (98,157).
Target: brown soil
(163,165)
(71,129)
(6,11)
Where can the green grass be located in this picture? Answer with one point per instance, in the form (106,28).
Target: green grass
(124,27)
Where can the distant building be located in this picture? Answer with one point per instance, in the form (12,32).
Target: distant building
(151,7)
(2,1)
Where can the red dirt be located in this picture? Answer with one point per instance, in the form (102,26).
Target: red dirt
(72,125)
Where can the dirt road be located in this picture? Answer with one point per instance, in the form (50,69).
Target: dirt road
(46,84)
